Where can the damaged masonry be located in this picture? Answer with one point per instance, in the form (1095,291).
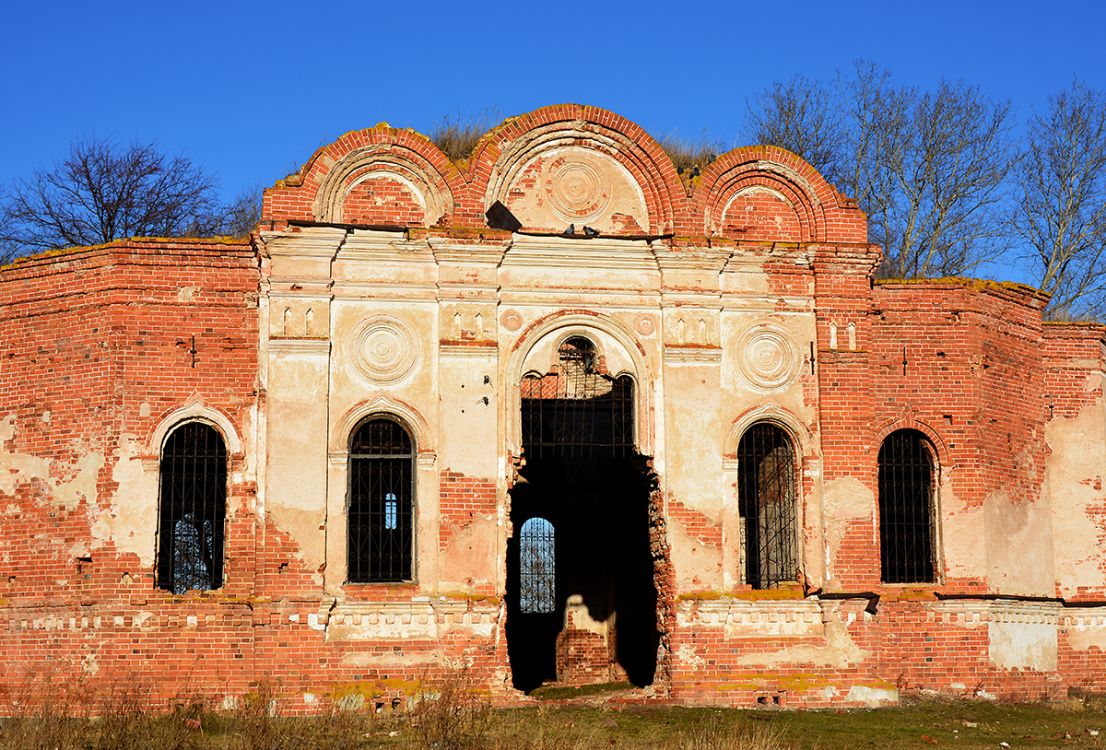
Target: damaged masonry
(554,415)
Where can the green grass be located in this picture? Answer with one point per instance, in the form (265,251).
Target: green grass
(562,692)
(468,724)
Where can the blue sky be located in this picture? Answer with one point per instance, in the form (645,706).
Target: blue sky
(248,89)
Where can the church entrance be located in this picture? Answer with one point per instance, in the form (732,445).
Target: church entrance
(581,597)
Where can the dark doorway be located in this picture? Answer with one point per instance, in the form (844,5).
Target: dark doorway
(580,513)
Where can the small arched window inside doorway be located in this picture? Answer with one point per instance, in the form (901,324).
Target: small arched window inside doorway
(192,509)
(537,567)
(380,525)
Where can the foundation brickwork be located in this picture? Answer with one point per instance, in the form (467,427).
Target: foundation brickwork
(386,281)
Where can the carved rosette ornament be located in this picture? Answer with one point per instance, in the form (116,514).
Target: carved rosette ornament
(578,191)
(645,325)
(511,320)
(385,350)
(767,358)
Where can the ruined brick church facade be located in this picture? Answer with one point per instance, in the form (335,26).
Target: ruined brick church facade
(558,412)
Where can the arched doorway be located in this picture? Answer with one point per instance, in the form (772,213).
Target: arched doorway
(581,597)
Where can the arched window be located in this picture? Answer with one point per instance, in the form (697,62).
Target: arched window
(906,508)
(537,567)
(766,501)
(192,509)
(381,518)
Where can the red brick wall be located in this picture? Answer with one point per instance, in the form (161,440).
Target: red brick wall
(98,346)
(95,347)
(381,200)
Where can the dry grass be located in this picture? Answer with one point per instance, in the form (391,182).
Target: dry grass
(117,719)
(455,717)
(457,136)
(690,156)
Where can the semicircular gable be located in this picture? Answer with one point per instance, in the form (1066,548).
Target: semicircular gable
(381,175)
(571,164)
(765,193)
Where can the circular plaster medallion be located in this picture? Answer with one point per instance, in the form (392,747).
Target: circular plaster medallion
(511,320)
(384,349)
(645,325)
(578,191)
(767,358)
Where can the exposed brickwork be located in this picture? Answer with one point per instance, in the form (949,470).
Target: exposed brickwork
(462,498)
(103,350)
(381,200)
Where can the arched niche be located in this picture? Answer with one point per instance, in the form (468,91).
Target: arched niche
(764,193)
(579,185)
(396,184)
(760,213)
(596,157)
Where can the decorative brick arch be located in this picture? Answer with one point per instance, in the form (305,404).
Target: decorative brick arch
(774,180)
(774,413)
(405,414)
(196,411)
(420,184)
(501,155)
(910,422)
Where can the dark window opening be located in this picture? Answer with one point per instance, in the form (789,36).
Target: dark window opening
(582,478)
(192,509)
(767,503)
(380,519)
(906,508)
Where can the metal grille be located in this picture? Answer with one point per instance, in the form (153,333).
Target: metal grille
(192,509)
(578,411)
(537,569)
(906,508)
(766,500)
(380,519)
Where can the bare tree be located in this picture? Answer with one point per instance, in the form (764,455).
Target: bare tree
(801,115)
(102,192)
(927,167)
(1060,214)
(235,219)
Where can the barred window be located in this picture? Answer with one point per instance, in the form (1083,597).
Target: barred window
(766,501)
(192,509)
(380,523)
(906,481)
(537,567)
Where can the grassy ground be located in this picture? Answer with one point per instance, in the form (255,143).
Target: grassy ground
(459,723)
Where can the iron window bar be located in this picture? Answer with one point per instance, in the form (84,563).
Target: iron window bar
(380,518)
(766,501)
(906,480)
(537,567)
(577,410)
(192,509)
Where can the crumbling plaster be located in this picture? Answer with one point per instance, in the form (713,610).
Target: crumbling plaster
(67,484)
(1074,489)
(433,319)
